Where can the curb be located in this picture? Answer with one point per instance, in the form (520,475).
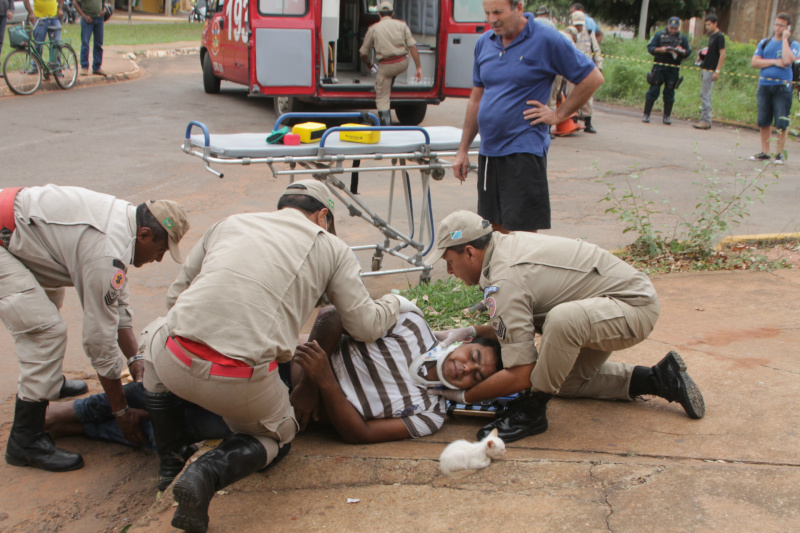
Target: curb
(129,75)
(765,238)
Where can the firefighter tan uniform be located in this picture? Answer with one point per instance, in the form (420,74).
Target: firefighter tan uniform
(65,236)
(245,291)
(585,302)
(392,42)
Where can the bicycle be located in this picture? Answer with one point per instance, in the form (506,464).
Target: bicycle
(24,68)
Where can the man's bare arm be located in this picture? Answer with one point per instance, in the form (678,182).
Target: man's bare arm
(504,383)
(540,113)
(461,163)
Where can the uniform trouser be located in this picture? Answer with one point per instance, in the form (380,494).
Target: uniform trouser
(555,91)
(706,84)
(587,110)
(40,335)
(257,406)
(576,344)
(668,76)
(383,82)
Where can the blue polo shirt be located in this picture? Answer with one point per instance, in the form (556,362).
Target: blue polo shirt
(773,49)
(511,76)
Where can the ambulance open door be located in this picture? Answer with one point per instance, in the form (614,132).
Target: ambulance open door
(463,22)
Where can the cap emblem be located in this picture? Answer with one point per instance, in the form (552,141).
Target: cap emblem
(455,235)
(168,222)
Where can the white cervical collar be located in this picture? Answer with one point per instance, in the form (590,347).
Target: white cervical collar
(438,355)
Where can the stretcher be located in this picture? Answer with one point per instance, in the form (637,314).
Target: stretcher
(404,148)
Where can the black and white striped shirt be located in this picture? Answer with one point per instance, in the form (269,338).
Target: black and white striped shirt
(374,376)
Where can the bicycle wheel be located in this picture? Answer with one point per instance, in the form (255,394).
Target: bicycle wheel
(67,70)
(23,72)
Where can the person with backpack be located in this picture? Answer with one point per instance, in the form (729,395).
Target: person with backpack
(774,56)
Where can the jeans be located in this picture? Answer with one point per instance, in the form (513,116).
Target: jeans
(87,29)
(3,20)
(707,83)
(47,27)
(94,413)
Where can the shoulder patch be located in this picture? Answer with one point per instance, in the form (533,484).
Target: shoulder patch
(499,328)
(489,290)
(118,280)
(491,307)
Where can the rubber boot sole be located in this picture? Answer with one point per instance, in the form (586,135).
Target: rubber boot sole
(189,516)
(691,399)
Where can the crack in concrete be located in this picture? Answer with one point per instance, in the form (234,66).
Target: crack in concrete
(606,490)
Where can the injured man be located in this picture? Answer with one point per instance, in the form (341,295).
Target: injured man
(369,392)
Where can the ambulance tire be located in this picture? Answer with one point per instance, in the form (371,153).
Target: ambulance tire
(410,114)
(211,82)
(286,104)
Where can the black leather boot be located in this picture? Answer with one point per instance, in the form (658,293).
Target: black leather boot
(236,458)
(525,416)
(667,113)
(669,380)
(29,445)
(166,412)
(648,108)
(72,387)
(587,125)
(385,117)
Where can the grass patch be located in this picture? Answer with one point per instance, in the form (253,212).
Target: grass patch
(134,34)
(446,303)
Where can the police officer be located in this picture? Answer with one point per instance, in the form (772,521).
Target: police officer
(235,312)
(55,237)
(669,47)
(584,301)
(392,42)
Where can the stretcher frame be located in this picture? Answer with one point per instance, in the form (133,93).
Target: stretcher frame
(325,161)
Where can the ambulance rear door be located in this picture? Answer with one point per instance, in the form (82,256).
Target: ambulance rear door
(462,23)
(227,46)
(284,47)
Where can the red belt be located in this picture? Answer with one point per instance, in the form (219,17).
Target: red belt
(393,59)
(216,368)
(7,220)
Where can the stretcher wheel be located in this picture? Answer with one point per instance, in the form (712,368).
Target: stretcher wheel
(437,174)
(377,262)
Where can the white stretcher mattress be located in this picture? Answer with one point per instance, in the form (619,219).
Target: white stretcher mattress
(238,145)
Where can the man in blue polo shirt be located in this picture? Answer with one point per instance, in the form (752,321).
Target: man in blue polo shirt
(515,65)
(774,56)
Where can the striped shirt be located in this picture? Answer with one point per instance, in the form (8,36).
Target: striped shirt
(374,376)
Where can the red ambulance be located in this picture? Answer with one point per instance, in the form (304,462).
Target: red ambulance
(302,52)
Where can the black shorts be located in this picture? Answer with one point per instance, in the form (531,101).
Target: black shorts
(513,191)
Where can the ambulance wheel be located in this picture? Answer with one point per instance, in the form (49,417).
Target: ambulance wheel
(286,104)
(210,81)
(410,114)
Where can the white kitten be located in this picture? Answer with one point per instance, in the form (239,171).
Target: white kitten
(463,455)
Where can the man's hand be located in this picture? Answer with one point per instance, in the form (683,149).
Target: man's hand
(449,394)
(129,425)
(314,362)
(446,338)
(787,34)
(137,370)
(540,114)
(461,165)
(418,74)
(715,76)
(87,18)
